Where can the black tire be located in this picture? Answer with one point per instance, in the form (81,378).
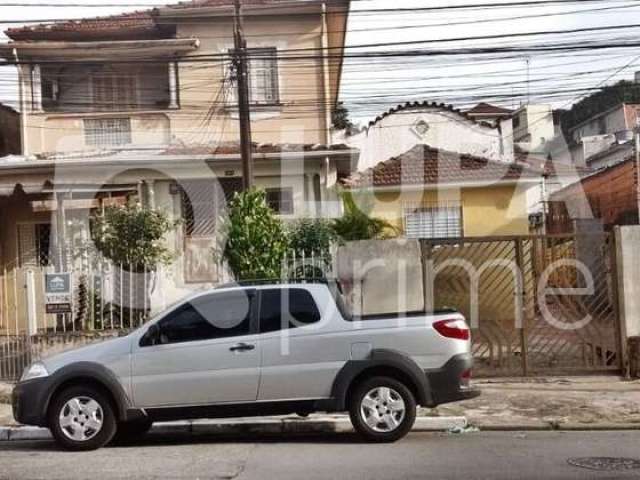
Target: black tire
(405,421)
(93,441)
(129,432)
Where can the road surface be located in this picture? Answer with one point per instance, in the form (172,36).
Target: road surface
(483,455)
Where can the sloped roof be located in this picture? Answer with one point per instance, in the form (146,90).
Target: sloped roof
(427,104)
(139,24)
(488,109)
(424,165)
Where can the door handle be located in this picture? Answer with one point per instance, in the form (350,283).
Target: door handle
(242,347)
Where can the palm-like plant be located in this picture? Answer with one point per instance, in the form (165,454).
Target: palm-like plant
(356,224)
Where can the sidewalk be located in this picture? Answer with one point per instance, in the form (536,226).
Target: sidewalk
(572,403)
(560,402)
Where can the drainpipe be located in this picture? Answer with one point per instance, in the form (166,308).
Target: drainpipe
(22,104)
(637,165)
(543,192)
(326,77)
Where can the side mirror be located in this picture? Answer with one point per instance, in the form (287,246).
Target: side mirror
(152,337)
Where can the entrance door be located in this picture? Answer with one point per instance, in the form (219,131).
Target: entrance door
(204,352)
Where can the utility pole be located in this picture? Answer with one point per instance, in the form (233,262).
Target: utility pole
(242,78)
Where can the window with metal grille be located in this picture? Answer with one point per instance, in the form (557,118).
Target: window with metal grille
(201,200)
(438,221)
(263,77)
(280,200)
(34,244)
(114,91)
(107,131)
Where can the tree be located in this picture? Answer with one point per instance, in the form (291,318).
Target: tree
(340,117)
(355,224)
(132,236)
(255,240)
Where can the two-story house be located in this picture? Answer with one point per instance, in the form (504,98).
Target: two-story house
(144,105)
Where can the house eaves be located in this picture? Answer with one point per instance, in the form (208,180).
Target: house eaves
(126,49)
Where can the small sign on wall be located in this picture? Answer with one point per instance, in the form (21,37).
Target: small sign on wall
(57,291)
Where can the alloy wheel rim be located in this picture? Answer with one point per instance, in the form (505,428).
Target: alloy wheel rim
(382,409)
(81,419)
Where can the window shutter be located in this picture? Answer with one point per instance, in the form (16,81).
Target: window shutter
(433,222)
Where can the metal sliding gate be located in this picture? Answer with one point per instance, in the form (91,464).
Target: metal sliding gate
(536,304)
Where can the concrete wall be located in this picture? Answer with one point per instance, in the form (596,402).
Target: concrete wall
(300,117)
(628,264)
(611,121)
(64,132)
(381,276)
(535,126)
(394,135)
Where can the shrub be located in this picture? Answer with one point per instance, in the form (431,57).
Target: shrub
(132,236)
(311,240)
(312,237)
(255,240)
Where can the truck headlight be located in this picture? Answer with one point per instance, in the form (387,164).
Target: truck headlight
(35,370)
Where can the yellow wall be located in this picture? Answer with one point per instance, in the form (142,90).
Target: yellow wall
(491,210)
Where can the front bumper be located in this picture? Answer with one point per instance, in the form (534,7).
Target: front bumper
(447,383)
(28,401)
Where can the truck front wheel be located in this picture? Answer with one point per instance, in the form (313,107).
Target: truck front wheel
(382,409)
(82,418)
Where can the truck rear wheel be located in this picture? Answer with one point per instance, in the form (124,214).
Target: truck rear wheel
(82,418)
(382,409)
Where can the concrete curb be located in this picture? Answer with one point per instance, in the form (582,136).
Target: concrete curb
(318,424)
(272,425)
(558,427)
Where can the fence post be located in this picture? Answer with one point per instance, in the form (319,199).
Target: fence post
(520,306)
(32,318)
(426,253)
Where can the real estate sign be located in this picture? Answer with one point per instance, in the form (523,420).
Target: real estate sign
(57,291)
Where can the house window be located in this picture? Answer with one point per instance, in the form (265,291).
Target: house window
(280,200)
(433,221)
(114,91)
(516,121)
(263,77)
(100,132)
(49,92)
(199,207)
(34,244)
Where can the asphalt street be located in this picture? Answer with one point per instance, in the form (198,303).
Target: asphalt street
(483,455)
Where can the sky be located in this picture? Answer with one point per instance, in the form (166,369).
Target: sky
(370,86)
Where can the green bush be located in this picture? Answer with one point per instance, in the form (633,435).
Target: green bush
(255,240)
(311,236)
(132,236)
(355,224)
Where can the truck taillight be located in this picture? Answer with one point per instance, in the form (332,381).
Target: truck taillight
(453,328)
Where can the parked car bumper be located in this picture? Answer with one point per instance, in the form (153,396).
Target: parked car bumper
(28,400)
(451,382)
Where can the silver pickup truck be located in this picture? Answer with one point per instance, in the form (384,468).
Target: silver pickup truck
(245,350)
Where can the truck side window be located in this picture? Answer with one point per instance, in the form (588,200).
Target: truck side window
(214,316)
(281,309)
